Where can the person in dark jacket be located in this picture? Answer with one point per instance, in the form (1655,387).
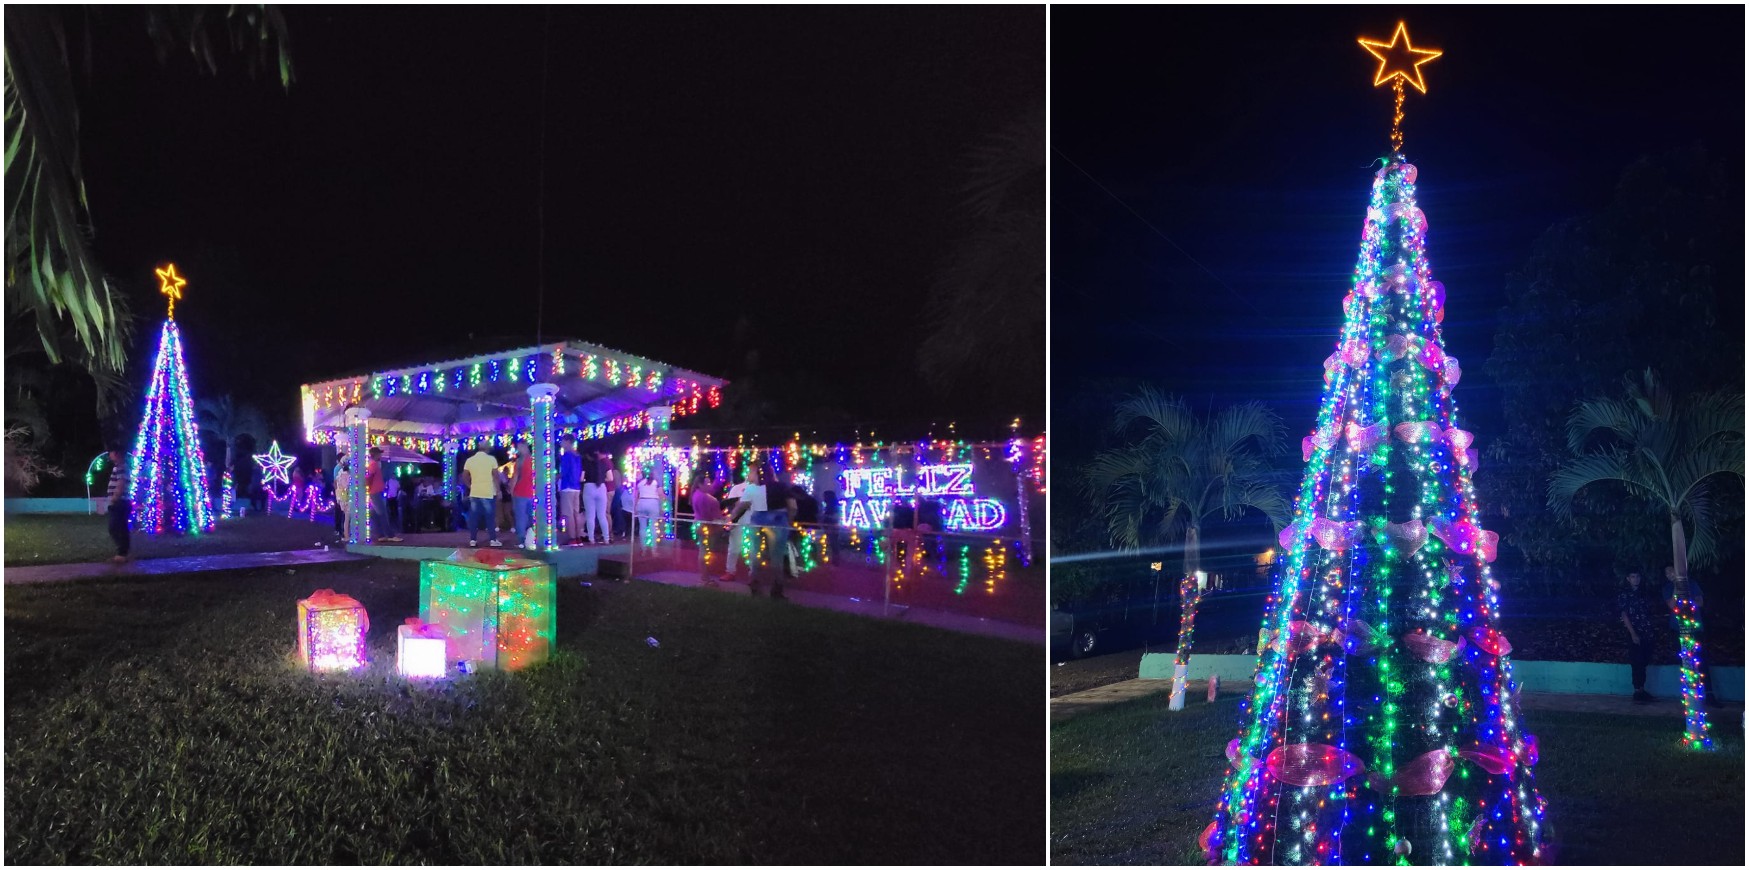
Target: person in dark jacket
(1630,606)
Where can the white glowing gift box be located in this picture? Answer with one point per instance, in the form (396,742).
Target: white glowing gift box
(421,649)
(331,630)
(497,609)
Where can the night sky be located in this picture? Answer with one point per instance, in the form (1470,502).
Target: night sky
(719,182)
(1247,137)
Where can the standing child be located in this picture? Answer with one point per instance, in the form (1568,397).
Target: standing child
(121,506)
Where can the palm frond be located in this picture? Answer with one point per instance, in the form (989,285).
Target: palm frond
(1593,468)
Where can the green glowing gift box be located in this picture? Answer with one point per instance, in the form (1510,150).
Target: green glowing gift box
(497,609)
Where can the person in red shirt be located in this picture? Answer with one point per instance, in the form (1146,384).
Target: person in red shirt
(522,495)
(373,486)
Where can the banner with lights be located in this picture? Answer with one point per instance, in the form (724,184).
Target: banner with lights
(955,486)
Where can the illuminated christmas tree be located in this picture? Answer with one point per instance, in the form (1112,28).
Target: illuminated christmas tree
(1385,725)
(169,483)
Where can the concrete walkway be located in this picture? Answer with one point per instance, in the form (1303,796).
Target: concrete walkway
(177,565)
(1065,706)
(874,608)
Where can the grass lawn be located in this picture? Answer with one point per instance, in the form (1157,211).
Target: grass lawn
(50,539)
(162,721)
(1135,784)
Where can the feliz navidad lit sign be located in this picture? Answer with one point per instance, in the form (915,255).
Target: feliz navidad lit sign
(869,494)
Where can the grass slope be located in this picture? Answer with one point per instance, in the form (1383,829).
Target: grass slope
(163,722)
(1136,783)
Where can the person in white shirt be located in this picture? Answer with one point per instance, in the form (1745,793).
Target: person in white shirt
(648,506)
(749,500)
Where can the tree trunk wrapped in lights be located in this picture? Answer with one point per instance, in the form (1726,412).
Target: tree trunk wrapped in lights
(1385,724)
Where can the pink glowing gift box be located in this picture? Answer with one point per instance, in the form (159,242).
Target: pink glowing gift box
(497,609)
(331,631)
(421,649)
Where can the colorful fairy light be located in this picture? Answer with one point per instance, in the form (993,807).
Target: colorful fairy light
(331,632)
(1384,726)
(168,482)
(497,610)
(275,466)
(1697,731)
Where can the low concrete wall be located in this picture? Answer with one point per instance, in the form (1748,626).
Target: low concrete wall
(1560,678)
(56,505)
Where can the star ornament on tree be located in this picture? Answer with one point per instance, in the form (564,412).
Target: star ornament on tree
(170,284)
(275,466)
(1398,59)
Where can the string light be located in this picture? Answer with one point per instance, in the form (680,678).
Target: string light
(1384,723)
(168,482)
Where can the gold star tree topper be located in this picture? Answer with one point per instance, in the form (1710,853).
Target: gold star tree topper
(1399,62)
(170,284)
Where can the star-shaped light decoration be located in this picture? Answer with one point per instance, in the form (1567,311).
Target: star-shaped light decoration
(170,284)
(1400,61)
(275,466)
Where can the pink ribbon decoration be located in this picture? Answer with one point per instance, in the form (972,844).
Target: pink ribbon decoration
(1492,759)
(1332,535)
(1428,648)
(1459,439)
(1312,764)
(1233,749)
(425,629)
(1399,346)
(1417,433)
(1488,545)
(1331,364)
(1306,449)
(1409,171)
(1362,439)
(1370,289)
(1432,355)
(1531,755)
(1472,459)
(1354,352)
(1396,273)
(1206,838)
(1418,220)
(1490,641)
(1291,534)
(1302,636)
(1375,216)
(1438,291)
(1426,774)
(1410,536)
(328,599)
(1452,373)
(1355,637)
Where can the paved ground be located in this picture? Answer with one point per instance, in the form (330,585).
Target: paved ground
(178,565)
(1064,706)
(871,606)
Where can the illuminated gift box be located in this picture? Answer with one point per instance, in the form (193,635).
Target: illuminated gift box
(331,631)
(421,649)
(496,608)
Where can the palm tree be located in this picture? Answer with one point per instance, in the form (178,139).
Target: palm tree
(987,308)
(52,276)
(225,418)
(1184,472)
(1664,451)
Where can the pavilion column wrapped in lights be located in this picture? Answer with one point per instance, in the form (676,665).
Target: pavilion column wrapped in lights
(357,491)
(540,397)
